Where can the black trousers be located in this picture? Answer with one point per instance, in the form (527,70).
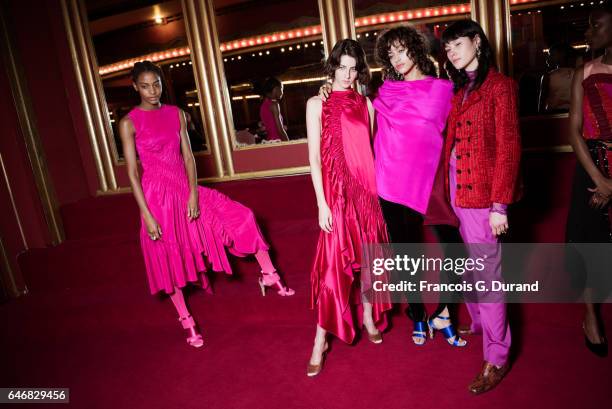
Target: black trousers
(405,225)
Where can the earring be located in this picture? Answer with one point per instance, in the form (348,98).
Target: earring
(478,52)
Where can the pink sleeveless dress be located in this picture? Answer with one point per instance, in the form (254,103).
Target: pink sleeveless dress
(349,184)
(267,117)
(177,258)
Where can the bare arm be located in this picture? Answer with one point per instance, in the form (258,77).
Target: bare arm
(127,132)
(279,126)
(192,208)
(313,127)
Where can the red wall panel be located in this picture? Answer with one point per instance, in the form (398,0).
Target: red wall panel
(41,66)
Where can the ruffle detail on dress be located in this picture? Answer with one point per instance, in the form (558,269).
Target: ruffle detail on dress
(357,220)
(222,224)
(169,265)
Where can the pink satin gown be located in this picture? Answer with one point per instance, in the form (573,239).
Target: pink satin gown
(349,185)
(177,258)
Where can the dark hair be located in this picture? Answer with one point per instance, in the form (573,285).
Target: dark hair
(415,44)
(145,66)
(565,55)
(268,85)
(468,28)
(352,49)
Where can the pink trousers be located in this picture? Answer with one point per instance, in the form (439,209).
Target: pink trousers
(487,317)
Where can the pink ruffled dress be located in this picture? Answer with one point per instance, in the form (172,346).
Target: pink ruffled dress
(349,184)
(186,248)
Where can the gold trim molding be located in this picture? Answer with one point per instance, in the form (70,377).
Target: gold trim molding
(27,124)
(494,18)
(10,278)
(202,35)
(261,174)
(97,118)
(271,145)
(337,21)
(7,181)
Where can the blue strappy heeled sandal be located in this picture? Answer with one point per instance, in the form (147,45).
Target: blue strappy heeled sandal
(449,332)
(419,331)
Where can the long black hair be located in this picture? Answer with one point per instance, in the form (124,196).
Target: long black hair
(468,28)
(353,49)
(415,45)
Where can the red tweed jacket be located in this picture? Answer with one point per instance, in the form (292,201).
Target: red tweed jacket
(485,132)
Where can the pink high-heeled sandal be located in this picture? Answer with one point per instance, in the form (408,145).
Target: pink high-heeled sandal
(273,279)
(195,339)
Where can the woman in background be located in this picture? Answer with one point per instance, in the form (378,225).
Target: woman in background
(590,216)
(269,112)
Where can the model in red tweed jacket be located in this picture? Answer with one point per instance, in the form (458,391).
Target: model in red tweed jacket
(485,132)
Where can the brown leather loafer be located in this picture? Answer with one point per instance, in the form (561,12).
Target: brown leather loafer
(489,377)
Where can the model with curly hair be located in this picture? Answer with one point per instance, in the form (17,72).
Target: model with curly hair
(413,42)
(411,111)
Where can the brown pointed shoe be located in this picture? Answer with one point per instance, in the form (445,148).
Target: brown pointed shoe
(489,377)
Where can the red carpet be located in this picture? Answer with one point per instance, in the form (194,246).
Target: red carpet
(89,324)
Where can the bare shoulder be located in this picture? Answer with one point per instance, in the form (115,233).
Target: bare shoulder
(314,103)
(126,123)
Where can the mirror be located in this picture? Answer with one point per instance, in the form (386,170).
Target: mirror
(126,32)
(547,45)
(272,58)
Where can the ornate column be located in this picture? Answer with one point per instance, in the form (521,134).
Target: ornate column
(92,96)
(494,17)
(202,34)
(337,20)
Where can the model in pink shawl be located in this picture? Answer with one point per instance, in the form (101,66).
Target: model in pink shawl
(343,176)
(411,112)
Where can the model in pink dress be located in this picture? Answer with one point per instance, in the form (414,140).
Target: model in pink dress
(342,168)
(174,236)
